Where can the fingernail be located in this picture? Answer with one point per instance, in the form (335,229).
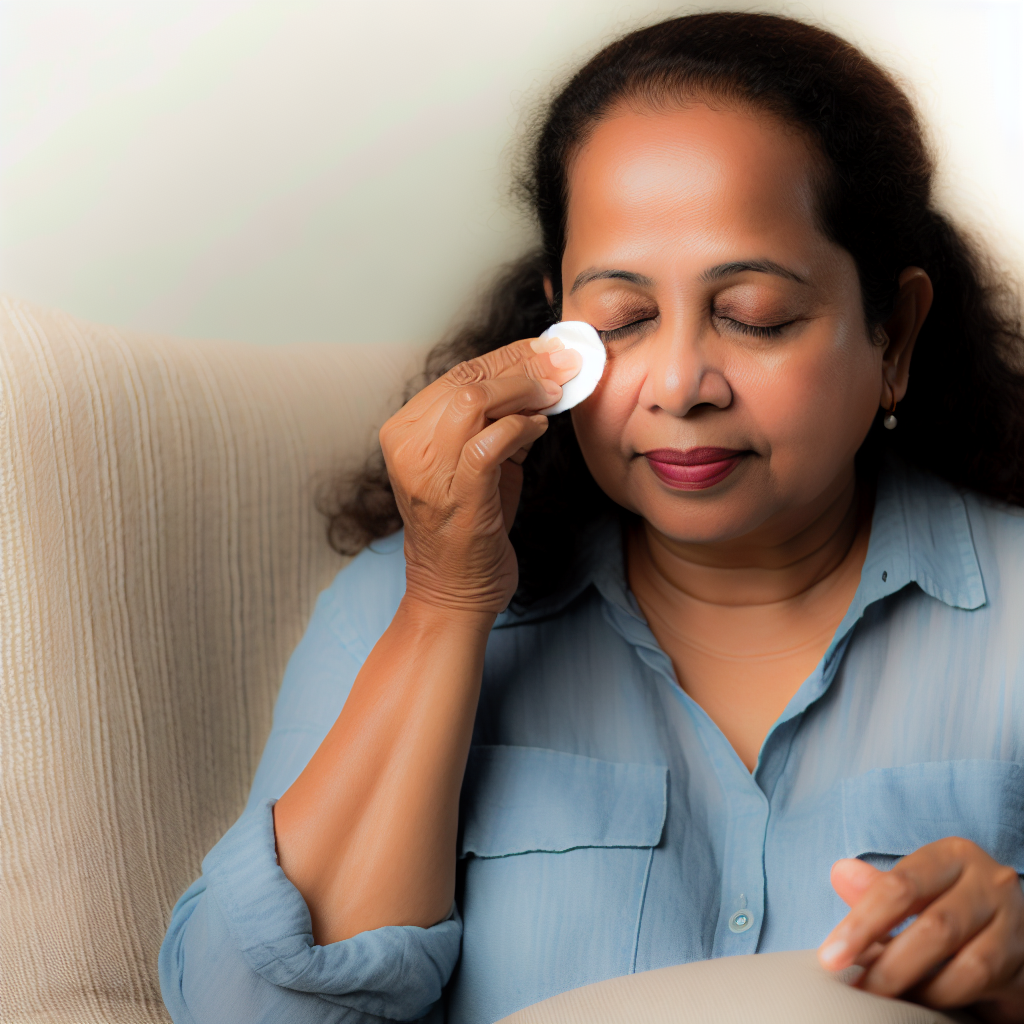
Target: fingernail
(551,387)
(567,359)
(546,344)
(833,952)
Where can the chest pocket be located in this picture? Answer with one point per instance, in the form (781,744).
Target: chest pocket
(890,812)
(556,850)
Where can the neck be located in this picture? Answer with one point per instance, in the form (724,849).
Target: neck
(775,563)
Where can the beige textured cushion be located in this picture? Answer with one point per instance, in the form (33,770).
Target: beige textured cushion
(770,988)
(159,559)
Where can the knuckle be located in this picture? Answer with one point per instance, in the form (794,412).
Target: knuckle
(504,358)
(472,398)
(941,924)
(958,846)
(475,454)
(472,371)
(977,966)
(898,886)
(490,364)
(1006,878)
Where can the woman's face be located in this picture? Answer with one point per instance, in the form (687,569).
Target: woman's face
(741,378)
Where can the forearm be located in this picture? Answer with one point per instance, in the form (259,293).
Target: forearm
(237,949)
(367,832)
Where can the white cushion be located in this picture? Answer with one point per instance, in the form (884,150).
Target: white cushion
(768,988)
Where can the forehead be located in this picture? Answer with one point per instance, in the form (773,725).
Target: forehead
(691,174)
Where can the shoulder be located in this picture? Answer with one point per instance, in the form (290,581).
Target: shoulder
(361,602)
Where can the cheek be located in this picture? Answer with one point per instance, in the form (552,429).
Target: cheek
(601,422)
(815,404)
(806,407)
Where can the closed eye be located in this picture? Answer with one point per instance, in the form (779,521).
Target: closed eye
(758,330)
(633,327)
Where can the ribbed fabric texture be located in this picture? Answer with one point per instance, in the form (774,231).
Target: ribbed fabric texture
(767,988)
(160,554)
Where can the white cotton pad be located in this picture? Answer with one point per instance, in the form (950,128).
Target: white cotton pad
(575,334)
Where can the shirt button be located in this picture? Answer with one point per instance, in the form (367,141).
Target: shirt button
(741,921)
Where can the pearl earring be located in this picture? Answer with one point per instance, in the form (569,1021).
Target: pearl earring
(890,421)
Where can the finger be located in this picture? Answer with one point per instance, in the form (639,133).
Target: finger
(851,878)
(940,930)
(986,964)
(471,409)
(519,457)
(891,898)
(534,359)
(538,358)
(870,955)
(478,472)
(492,399)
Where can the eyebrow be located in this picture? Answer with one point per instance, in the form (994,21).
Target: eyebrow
(711,274)
(615,275)
(761,266)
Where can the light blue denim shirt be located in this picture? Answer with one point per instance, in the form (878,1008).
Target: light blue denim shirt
(607,824)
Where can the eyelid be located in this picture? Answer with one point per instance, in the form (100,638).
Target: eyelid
(758,330)
(631,327)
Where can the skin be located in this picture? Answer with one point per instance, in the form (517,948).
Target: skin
(691,237)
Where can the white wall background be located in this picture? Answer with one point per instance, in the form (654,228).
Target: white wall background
(276,170)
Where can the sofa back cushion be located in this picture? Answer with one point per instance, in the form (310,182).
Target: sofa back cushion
(160,553)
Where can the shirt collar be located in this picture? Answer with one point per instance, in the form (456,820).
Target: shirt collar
(920,533)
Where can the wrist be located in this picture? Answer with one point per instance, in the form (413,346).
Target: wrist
(435,613)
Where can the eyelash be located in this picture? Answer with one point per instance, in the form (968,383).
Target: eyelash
(768,331)
(626,329)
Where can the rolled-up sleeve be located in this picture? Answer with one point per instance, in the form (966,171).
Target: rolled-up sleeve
(240,948)
(240,945)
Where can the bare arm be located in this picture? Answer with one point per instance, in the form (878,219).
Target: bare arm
(367,832)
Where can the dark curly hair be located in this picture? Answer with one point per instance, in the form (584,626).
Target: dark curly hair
(963,417)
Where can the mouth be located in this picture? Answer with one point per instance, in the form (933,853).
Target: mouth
(694,469)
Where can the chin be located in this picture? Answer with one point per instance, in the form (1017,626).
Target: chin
(707,525)
(723,512)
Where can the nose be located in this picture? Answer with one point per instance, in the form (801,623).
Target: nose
(682,372)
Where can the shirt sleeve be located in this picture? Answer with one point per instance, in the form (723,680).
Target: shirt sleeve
(240,945)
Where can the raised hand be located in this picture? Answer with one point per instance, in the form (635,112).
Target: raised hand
(453,455)
(367,833)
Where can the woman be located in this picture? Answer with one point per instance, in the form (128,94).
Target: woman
(719,634)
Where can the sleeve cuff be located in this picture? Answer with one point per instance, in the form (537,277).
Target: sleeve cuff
(395,972)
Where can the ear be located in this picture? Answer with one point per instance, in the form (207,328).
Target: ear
(901,330)
(549,290)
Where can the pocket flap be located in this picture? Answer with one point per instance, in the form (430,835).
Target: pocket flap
(528,799)
(895,811)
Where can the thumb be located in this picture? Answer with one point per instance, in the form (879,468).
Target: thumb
(851,878)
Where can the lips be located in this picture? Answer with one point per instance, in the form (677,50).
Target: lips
(694,469)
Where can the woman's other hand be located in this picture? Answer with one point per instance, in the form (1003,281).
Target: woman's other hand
(453,454)
(966,947)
